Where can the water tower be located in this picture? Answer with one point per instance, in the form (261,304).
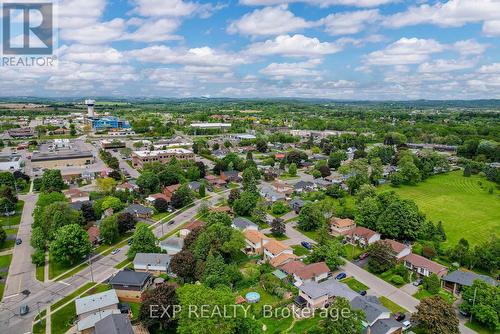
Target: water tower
(90,105)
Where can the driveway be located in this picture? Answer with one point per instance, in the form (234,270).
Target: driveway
(410,289)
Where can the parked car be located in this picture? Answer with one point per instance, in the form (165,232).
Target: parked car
(171,222)
(19,241)
(399,316)
(465,314)
(340,276)
(24,309)
(406,324)
(306,245)
(130,241)
(363,256)
(114,251)
(418,282)
(362,293)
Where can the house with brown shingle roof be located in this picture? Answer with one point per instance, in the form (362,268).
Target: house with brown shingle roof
(170,190)
(76,195)
(186,229)
(362,236)
(254,241)
(340,226)
(424,266)
(303,273)
(283,259)
(274,248)
(400,250)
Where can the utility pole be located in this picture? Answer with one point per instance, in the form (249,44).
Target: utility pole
(473,302)
(91,270)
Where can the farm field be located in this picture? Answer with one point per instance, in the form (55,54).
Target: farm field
(463,204)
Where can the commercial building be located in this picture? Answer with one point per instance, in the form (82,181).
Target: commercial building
(61,159)
(108,123)
(139,158)
(112,144)
(21,133)
(10,162)
(211,125)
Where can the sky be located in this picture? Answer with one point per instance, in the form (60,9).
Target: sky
(335,49)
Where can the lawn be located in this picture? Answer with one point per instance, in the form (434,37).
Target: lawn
(39,327)
(305,325)
(463,204)
(62,320)
(71,296)
(97,289)
(310,234)
(8,244)
(392,306)
(422,293)
(479,328)
(355,285)
(300,250)
(122,264)
(56,269)
(135,309)
(5,260)
(280,238)
(15,219)
(353,252)
(40,273)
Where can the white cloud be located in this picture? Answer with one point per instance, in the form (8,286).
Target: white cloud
(445,65)
(98,33)
(94,54)
(269,21)
(453,13)
(155,31)
(490,69)
(350,22)
(204,56)
(296,45)
(169,8)
(301,69)
(470,47)
(405,51)
(76,13)
(321,3)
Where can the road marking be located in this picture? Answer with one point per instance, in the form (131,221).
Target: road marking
(64,283)
(10,296)
(19,287)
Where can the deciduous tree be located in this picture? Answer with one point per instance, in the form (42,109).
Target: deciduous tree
(436,316)
(71,244)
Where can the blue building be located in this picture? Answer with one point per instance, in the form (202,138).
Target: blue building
(109,122)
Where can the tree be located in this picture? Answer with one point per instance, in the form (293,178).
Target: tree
(401,220)
(366,190)
(292,169)
(249,180)
(278,227)
(71,244)
(182,197)
(218,218)
(261,145)
(330,251)
(377,170)
(192,173)
(432,284)
(324,170)
(408,170)
(202,191)
(259,212)
(395,138)
(202,168)
(149,182)
(164,295)
(342,319)
(126,222)
(108,230)
(3,235)
(52,180)
(106,184)
(38,239)
(436,316)
(336,191)
(279,208)
(38,258)
(8,193)
(161,205)
(7,179)
(381,257)
(6,206)
(244,205)
(183,264)
(440,231)
(336,158)
(310,218)
(111,202)
(234,194)
(143,241)
(88,212)
(56,215)
(482,301)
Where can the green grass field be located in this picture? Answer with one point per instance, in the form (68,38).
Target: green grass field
(463,204)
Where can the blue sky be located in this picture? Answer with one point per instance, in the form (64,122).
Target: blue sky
(339,49)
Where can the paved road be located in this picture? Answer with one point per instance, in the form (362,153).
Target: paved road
(21,271)
(125,166)
(102,268)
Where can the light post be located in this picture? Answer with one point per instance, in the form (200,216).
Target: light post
(91,270)
(473,302)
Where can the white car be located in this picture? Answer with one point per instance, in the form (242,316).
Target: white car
(114,251)
(406,325)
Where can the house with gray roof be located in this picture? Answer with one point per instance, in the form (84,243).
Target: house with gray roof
(93,308)
(296,204)
(114,324)
(454,281)
(130,285)
(155,263)
(271,195)
(304,186)
(139,211)
(384,326)
(371,307)
(319,295)
(172,245)
(243,224)
(194,186)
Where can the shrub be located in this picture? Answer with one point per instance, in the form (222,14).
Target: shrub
(396,279)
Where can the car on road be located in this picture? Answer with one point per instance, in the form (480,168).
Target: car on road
(406,324)
(172,222)
(418,282)
(362,293)
(114,251)
(363,256)
(306,245)
(24,309)
(19,241)
(340,276)
(399,316)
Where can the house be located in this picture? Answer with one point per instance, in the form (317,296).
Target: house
(341,226)
(170,190)
(155,263)
(304,186)
(274,248)
(271,195)
(172,245)
(215,181)
(457,279)
(319,295)
(130,285)
(77,195)
(94,235)
(321,183)
(283,259)
(93,308)
(303,273)
(254,241)
(243,224)
(296,204)
(194,186)
(114,324)
(152,198)
(371,307)
(193,225)
(362,236)
(282,188)
(385,326)
(399,250)
(127,186)
(139,211)
(230,176)
(424,266)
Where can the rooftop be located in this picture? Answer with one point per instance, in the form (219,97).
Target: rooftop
(96,301)
(144,154)
(130,278)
